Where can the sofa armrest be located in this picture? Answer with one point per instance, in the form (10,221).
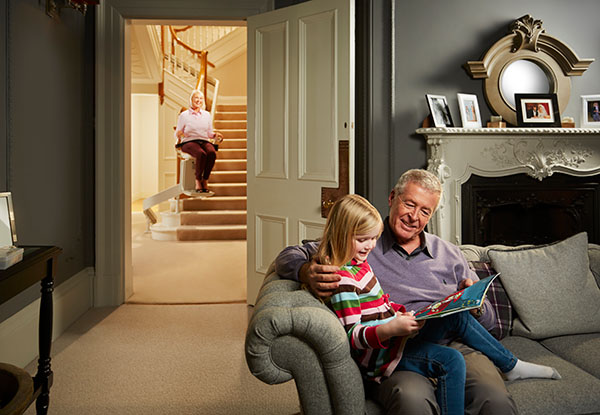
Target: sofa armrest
(291,334)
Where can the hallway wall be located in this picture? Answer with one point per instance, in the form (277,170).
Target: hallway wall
(433,39)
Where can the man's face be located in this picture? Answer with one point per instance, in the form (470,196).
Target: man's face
(410,211)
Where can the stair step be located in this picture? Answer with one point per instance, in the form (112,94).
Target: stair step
(230,115)
(214,217)
(232,142)
(241,133)
(216,232)
(215,203)
(227,165)
(230,124)
(232,107)
(228,189)
(231,153)
(231,176)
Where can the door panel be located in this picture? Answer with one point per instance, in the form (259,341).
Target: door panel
(272,94)
(300,106)
(317,97)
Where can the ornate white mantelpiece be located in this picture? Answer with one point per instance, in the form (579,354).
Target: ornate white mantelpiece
(454,154)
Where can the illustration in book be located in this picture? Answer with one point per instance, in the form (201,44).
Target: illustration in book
(465,299)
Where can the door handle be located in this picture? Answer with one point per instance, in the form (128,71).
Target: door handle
(329,195)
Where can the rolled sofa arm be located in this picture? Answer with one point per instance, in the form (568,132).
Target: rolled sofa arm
(291,334)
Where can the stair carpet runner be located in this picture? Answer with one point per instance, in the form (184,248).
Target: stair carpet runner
(223,216)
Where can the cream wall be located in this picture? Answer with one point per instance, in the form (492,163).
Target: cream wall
(232,77)
(144,145)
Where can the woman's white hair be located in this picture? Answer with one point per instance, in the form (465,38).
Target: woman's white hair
(194,92)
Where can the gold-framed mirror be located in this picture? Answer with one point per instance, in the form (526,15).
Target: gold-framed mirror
(526,61)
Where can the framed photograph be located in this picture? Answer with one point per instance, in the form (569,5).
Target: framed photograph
(8,234)
(469,110)
(590,111)
(438,106)
(537,110)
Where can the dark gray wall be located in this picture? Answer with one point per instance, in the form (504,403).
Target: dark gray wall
(434,38)
(49,138)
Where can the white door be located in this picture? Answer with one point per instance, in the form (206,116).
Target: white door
(300,107)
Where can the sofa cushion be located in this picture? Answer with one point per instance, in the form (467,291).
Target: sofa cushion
(582,350)
(551,288)
(578,392)
(497,297)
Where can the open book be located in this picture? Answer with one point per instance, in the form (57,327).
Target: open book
(465,299)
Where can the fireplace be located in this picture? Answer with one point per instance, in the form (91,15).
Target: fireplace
(515,185)
(518,209)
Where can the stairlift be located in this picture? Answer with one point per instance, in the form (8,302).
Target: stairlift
(186,186)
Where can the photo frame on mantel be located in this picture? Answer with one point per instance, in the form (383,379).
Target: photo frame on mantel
(440,112)
(537,110)
(469,110)
(590,111)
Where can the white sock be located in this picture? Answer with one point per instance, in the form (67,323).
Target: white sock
(525,370)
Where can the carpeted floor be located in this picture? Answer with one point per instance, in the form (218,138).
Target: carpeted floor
(160,359)
(173,272)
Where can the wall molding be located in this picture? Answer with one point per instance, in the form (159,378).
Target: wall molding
(19,333)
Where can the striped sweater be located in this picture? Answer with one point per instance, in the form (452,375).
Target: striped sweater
(361,305)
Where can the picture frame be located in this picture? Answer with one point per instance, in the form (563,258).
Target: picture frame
(590,111)
(537,110)
(469,110)
(440,112)
(8,233)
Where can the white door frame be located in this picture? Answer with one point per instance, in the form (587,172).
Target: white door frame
(113,158)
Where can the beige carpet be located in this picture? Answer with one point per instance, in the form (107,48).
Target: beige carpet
(161,359)
(174,272)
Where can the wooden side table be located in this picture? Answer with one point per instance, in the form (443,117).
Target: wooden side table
(38,264)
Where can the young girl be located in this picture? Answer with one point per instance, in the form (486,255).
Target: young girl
(383,336)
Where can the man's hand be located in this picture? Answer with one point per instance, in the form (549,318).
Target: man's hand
(321,279)
(475,312)
(467,282)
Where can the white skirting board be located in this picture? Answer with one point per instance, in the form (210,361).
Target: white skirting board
(19,333)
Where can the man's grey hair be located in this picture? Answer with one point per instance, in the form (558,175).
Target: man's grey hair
(422,178)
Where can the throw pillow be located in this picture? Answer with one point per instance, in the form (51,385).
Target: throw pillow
(497,297)
(551,288)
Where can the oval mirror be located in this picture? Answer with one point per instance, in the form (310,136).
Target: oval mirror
(523,77)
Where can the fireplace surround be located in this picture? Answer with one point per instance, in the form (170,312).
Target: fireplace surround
(515,185)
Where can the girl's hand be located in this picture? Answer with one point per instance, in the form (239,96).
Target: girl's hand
(404,324)
(218,137)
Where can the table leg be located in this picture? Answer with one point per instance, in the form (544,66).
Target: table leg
(43,377)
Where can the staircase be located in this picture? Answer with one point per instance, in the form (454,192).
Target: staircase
(223,216)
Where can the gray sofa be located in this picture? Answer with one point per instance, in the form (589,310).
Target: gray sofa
(554,292)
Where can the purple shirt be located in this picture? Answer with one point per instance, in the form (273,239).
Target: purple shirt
(414,280)
(195,125)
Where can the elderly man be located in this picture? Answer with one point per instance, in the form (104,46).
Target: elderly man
(415,268)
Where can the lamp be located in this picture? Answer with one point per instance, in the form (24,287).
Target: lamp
(53,6)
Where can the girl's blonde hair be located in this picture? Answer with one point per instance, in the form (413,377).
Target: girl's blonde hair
(351,215)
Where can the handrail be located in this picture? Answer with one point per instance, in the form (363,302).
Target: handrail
(215,84)
(201,54)
(201,75)
(188,47)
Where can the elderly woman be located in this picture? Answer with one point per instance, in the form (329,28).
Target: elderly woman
(194,133)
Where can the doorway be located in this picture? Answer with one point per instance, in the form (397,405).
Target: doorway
(201,256)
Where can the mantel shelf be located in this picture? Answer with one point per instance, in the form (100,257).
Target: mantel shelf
(454,154)
(445,131)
